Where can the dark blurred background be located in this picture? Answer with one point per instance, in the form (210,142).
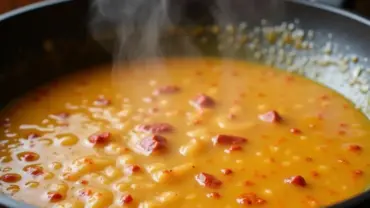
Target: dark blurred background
(361,7)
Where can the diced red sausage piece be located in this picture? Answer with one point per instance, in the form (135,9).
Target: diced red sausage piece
(101,101)
(208,180)
(132,169)
(126,199)
(29,156)
(54,196)
(296,180)
(10,178)
(100,138)
(270,117)
(250,199)
(226,171)
(233,148)
(228,140)
(166,90)
(202,101)
(155,128)
(214,195)
(153,143)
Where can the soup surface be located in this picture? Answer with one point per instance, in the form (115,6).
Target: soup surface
(183,133)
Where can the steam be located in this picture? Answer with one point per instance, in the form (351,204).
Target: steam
(133,27)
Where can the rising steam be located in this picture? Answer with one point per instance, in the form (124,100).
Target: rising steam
(133,29)
(130,29)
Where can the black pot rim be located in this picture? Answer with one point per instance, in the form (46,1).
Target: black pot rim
(29,8)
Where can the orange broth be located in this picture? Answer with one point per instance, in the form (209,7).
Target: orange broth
(183,133)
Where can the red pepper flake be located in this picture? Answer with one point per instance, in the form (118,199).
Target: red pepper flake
(342,132)
(54,196)
(11,177)
(167,171)
(358,173)
(100,138)
(259,175)
(131,169)
(343,161)
(202,101)
(33,135)
(233,148)
(231,116)
(249,183)
(155,128)
(126,199)
(167,90)
(208,180)
(343,125)
(85,192)
(214,195)
(226,171)
(250,199)
(296,180)
(295,131)
(354,148)
(324,97)
(88,161)
(153,110)
(289,78)
(280,141)
(309,159)
(101,101)
(152,144)
(315,174)
(29,156)
(84,182)
(270,117)
(222,139)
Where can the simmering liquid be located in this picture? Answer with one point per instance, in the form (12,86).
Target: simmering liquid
(183,133)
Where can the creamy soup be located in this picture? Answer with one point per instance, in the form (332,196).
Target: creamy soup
(183,133)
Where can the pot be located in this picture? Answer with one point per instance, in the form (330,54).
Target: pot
(45,40)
